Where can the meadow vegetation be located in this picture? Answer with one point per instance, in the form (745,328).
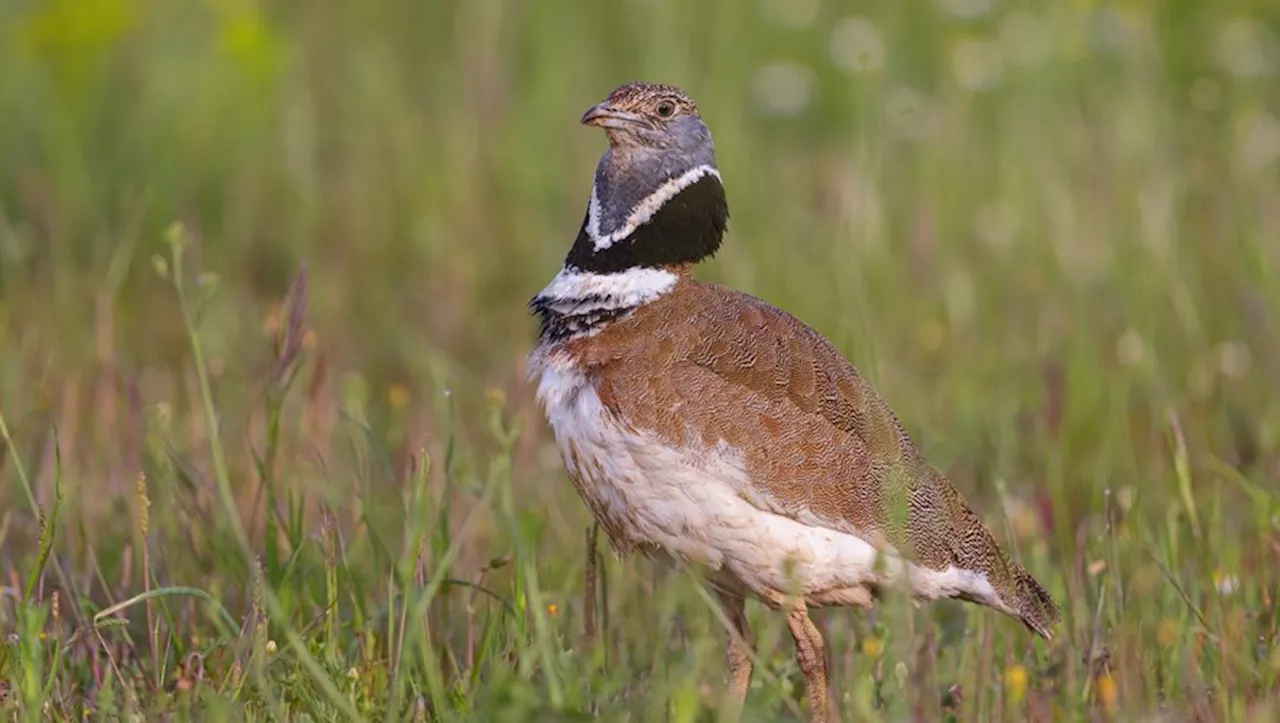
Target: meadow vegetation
(266,446)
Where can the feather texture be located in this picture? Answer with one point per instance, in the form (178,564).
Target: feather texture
(704,368)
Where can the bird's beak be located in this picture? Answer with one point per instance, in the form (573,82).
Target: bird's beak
(606,116)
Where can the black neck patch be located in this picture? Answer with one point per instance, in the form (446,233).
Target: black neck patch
(686,229)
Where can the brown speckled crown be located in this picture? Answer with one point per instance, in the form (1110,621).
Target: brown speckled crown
(637,95)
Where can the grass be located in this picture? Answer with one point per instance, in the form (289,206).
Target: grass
(278,460)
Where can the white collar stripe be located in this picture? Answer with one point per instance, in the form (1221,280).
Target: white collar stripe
(645,210)
(581,290)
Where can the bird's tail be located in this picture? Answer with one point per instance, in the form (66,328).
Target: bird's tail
(974,548)
(1033,605)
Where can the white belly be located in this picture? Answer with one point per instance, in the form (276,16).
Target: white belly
(690,503)
(693,504)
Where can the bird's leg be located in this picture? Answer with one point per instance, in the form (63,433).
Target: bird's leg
(589,588)
(812,657)
(741,645)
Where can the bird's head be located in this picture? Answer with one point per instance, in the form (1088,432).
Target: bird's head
(650,118)
(657,198)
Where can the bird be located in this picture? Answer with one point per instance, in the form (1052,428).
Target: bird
(707,427)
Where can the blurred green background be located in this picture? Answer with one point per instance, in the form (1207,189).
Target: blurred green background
(1049,232)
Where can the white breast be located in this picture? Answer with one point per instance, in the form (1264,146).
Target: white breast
(690,503)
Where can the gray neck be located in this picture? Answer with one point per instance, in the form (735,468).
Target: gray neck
(626,176)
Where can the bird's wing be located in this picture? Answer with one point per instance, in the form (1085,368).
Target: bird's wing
(820,445)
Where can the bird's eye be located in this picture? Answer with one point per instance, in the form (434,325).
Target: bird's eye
(666,109)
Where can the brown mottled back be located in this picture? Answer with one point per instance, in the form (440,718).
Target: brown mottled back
(705,363)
